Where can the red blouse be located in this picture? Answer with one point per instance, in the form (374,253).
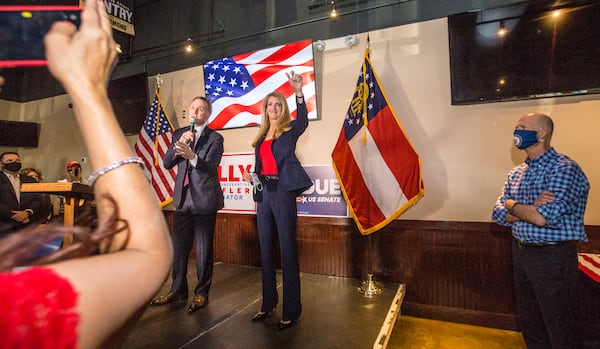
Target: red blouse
(38,310)
(265,154)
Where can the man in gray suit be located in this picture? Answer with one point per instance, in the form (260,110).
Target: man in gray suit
(197,151)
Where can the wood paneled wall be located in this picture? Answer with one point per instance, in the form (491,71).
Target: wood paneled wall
(453,271)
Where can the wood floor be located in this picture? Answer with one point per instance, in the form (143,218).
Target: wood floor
(415,333)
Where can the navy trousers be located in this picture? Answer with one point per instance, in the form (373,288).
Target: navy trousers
(546,291)
(189,227)
(277,213)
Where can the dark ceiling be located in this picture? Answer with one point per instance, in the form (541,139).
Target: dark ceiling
(223,28)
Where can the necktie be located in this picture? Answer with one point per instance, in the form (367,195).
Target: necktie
(186,179)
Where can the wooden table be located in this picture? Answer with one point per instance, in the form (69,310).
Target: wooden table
(74,195)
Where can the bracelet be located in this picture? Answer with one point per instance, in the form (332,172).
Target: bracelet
(130,160)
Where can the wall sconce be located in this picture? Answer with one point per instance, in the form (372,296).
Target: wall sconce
(188,45)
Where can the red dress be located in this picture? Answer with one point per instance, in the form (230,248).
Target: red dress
(37,310)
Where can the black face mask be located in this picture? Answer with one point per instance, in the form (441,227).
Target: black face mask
(13,166)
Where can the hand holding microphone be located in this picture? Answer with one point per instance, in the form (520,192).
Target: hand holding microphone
(192,129)
(183,147)
(192,122)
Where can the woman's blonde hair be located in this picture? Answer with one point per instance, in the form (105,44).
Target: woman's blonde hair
(27,170)
(284,122)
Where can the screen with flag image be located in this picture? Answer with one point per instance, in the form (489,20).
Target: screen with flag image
(237,85)
(377,167)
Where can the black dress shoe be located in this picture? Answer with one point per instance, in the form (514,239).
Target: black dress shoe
(167,298)
(283,324)
(199,301)
(261,315)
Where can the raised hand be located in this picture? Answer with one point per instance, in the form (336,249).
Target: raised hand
(295,81)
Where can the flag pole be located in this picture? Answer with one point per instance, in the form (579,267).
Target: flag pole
(159,82)
(369,288)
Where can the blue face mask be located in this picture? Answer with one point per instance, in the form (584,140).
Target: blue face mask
(525,138)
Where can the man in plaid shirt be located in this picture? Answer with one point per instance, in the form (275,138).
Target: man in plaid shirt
(544,200)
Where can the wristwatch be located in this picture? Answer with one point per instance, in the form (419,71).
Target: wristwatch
(510,205)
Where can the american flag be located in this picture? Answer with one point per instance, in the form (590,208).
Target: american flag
(589,263)
(153,142)
(237,85)
(376,165)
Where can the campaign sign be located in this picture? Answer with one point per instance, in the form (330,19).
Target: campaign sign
(324,198)
(236,192)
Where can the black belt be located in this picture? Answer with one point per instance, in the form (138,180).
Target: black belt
(522,244)
(270,177)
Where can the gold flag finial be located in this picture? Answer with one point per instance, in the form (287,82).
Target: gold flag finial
(159,80)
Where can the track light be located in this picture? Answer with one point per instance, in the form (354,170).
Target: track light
(350,40)
(502,29)
(320,45)
(188,45)
(333,13)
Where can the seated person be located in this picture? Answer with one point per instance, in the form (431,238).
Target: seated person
(17,209)
(48,205)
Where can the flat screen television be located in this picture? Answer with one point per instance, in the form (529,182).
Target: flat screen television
(129,97)
(19,133)
(545,51)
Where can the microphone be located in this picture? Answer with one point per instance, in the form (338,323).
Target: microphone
(192,129)
(192,123)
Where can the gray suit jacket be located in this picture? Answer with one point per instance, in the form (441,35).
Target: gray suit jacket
(204,185)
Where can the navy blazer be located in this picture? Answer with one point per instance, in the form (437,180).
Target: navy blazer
(204,183)
(9,203)
(292,176)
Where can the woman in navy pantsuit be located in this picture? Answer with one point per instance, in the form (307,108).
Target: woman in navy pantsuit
(283,178)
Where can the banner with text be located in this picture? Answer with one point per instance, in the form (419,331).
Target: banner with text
(323,199)
(236,192)
(120,14)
